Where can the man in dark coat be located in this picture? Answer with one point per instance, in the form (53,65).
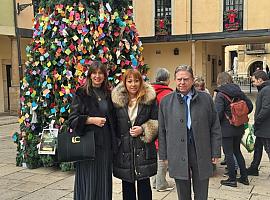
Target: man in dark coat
(189,135)
(253,169)
(262,112)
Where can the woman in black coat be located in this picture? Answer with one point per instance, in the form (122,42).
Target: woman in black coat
(91,113)
(231,135)
(136,158)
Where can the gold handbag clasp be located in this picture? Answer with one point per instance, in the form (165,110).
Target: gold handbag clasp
(75,139)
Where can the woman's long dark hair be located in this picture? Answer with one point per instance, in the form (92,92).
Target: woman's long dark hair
(88,87)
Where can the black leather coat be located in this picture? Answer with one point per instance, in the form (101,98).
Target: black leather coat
(84,106)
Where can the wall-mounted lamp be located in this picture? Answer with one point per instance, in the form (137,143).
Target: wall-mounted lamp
(219,62)
(158,51)
(21,7)
(208,57)
(176,51)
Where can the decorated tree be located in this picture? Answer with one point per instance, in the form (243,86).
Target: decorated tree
(68,35)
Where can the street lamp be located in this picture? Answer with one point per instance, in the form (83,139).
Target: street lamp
(21,7)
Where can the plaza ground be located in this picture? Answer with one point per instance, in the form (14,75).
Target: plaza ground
(51,184)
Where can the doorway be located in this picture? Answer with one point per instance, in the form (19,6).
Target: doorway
(8,73)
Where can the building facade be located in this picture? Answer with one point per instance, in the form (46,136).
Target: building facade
(15,33)
(173,32)
(193,32)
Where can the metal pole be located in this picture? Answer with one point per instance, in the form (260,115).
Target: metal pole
(18,40)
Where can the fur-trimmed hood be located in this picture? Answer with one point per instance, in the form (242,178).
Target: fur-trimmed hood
(120,95)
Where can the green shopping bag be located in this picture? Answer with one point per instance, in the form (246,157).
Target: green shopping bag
(248,138)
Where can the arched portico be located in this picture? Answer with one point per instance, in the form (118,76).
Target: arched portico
(252,66)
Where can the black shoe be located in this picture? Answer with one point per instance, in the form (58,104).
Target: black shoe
(223,162)
(227,173)
(242,180)
(252,171)
(229,182)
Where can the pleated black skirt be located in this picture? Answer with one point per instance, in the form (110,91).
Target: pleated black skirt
(93,179)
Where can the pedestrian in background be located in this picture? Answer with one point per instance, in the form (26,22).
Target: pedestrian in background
(92,109)
(137,112)
(199,85)
(189,144)
(162,89)
(262,111)
(231,135)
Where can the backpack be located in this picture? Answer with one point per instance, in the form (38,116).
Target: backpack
(239,111)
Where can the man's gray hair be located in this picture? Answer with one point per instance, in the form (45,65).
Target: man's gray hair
(162,75)
(184,67)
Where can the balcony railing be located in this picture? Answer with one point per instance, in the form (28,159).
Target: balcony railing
(255,49)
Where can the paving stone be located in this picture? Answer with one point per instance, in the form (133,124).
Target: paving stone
(62,174)
(42,170)
(116,196)
(65,184)
(171,195)
(42,178)
(29,186)
(161,195)
(19,175)
(228,193)
(261,187)
(117,185)
(259,197)
(70,195)
(10,194)
(45,194)
(9,183)
(9,169)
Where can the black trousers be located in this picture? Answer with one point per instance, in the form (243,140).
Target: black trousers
(231,146)
(266,144)
(258,151)
(200,187)
(144,191)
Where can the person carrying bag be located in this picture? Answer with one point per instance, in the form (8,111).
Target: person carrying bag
(91,119)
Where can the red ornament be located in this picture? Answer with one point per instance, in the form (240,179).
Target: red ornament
(161,23)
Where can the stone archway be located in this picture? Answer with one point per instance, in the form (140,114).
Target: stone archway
(256,65)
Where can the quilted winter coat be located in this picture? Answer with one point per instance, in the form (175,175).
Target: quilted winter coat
(136,158)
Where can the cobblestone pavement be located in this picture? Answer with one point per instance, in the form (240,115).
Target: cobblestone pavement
(51,183)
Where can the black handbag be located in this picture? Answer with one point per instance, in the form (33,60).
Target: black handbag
(71,147)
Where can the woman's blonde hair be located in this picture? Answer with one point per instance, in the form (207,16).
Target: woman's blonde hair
(137,75)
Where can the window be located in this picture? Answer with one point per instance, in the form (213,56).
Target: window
(163,13)
(233,15)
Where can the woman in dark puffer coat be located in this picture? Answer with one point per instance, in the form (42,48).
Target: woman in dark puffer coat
(136,159)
